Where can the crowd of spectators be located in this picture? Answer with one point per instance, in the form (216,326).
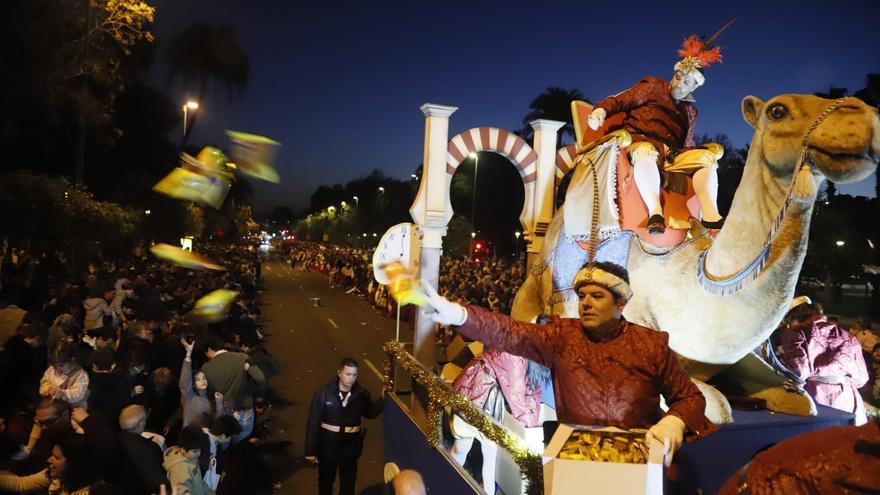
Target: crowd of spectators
(489,282)
(111,385)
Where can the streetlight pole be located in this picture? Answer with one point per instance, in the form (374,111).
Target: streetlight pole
(356,201)
(476,158)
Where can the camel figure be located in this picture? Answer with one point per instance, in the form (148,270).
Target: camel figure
(719,309)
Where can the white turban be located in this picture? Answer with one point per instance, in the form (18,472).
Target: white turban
(598,276)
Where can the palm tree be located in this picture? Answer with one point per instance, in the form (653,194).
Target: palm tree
(553,104)
(202,53)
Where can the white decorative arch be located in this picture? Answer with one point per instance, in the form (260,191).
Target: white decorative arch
(506,144)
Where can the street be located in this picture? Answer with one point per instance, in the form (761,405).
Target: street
(309,342)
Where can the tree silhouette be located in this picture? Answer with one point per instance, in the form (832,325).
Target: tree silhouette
(204,53)
(553,104)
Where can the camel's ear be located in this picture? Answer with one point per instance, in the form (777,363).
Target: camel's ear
(752,106)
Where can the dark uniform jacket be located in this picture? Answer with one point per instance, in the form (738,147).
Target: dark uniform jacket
(327,408)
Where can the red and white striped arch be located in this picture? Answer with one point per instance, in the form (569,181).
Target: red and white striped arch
(506,144)
(564,160)
(500,141)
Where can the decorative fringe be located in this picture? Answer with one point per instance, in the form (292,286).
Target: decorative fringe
(736,283)
(804,186)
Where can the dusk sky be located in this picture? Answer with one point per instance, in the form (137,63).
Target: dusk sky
(340,83)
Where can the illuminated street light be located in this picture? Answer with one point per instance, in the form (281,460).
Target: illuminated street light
(343,204)
(840,243)
(381,189)
(147,212)
(189,105)
(413,176)
(517,234)
(356,201)
(473,234)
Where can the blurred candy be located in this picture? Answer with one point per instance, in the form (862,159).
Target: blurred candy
(254,155)
(181,257)
(203,179)
(191,186)
(404,288)
(214,306)
(210,161)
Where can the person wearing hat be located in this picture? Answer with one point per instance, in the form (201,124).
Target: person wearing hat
(606,370)
(660,117)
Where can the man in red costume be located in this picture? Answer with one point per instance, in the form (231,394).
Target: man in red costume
(660,116)
(606,370)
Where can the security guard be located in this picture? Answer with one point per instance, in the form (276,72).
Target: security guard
(334,438)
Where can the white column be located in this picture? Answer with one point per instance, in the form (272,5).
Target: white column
(545,148)
(429,211)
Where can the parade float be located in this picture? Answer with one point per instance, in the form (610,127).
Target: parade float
(718,293)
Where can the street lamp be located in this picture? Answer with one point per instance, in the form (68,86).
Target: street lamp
(476,159)
(473,234)
(381,190)
(356,202)
(147,212)
(189,105)
(517,234)
(413,176)
(342,204)
(840,243)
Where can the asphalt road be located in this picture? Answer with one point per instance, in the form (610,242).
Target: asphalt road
(309,342)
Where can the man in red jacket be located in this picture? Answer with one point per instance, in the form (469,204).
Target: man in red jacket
(660,116)
(606,370)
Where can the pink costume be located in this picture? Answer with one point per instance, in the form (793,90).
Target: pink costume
(615,382)
(478,377)
(830,360)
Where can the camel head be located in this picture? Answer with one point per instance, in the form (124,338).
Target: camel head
(844,148)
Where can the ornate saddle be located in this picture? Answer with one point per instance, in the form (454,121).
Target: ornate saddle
(677,194)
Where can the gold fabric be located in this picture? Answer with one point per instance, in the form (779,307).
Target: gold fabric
(687,162)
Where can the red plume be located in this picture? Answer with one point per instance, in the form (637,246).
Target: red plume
(710,56)
(691,46)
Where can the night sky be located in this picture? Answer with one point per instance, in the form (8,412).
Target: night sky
(340,83)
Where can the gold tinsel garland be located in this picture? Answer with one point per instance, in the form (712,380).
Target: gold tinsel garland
(441,396)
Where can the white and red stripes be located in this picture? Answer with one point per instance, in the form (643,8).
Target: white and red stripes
(500,141)
(564,159)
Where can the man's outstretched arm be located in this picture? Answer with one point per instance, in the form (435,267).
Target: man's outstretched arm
(495,330)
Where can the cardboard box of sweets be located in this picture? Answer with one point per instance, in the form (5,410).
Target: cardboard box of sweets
(601,460)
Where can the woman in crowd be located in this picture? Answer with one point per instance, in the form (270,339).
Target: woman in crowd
(70,471)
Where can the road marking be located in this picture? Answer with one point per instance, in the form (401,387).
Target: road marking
(374,370)
(333,323)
